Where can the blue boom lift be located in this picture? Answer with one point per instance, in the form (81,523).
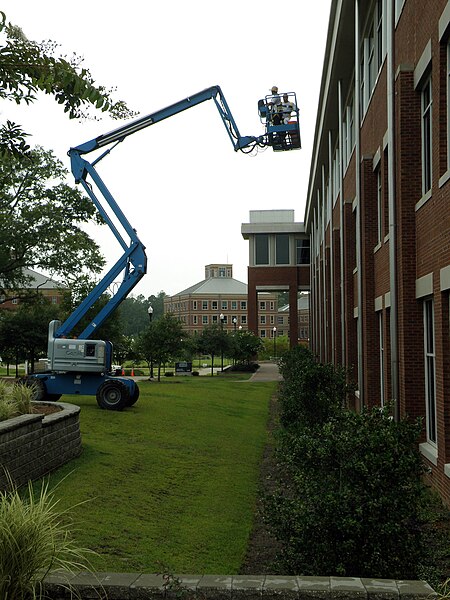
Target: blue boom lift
(83,365)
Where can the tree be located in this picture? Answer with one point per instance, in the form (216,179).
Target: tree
(133,312)
(213,339)
(41,220)
(245,345)
(161,341)
(27,67)
(24,332)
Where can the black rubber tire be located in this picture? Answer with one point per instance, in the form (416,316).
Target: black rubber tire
(37,385)
(113,395)
(135,396)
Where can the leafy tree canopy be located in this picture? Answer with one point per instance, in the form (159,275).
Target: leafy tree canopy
(41,219)
(27,67)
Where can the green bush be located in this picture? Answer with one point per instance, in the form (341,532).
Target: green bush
(168,374)
(15,400)
(33,540)
(350,498)
(311,392)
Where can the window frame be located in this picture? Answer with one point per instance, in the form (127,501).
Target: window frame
(430,370)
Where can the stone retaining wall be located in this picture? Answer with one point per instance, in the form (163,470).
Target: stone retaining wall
(133,586)
(33,445)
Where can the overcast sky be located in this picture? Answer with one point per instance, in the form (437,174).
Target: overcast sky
(180,183)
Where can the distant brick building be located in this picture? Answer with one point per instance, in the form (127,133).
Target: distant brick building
(378,211)
(46,286)
(219,294)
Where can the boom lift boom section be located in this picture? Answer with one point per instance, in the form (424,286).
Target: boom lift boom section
(81,365)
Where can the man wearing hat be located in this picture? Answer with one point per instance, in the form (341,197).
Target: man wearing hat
(275,106)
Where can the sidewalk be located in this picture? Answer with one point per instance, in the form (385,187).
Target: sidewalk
(268,371)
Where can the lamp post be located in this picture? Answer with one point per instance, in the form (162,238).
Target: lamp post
(234,339)
(150,316)
(275,342)
(222,319)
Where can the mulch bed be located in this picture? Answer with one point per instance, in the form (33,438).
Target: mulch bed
(262,549)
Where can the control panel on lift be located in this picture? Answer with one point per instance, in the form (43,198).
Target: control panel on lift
(73,355)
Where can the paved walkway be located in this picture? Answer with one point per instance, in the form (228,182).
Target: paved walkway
(268,371)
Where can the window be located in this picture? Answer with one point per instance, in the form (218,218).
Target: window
(224,304)
(262,305)
(280,320)
(234,305)
(381,338)
(244,305)
(244,319)
(379,206)
(261,249)
(205,319)
(262,333)
(302,251)
(194,305)
(222,272)
(448,105)
(224,319)
(426,136)
(262,319)
(204,304)
(282,249)
(194,320)
(430,377)
(272,305)
(214,305)
(214,319)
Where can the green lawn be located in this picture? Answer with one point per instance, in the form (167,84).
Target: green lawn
(172,481)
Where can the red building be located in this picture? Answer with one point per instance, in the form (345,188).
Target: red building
(278,262)
(378,212)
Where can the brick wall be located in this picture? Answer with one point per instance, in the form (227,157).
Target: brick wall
(33,445)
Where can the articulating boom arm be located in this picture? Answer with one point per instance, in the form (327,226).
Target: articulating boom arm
(134,261)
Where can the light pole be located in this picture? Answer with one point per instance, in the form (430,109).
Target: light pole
(234,339)
(150,316)
(275,342)
(222,319)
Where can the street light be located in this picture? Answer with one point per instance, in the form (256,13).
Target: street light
(275,342)
(150,316)
(234,323)
(222,319)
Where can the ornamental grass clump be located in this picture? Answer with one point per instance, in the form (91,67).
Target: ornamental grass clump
(15,400)
(34,539)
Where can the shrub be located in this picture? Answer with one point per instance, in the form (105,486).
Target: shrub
(351,496)
(33,540)
(353,503)
(195,373)
(312,392)
(15,400)
(168,374)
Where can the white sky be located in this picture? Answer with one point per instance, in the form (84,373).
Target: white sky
(180,183)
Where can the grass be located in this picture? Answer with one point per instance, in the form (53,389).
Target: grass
(173,480)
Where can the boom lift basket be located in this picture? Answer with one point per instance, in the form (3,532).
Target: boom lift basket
(282,125)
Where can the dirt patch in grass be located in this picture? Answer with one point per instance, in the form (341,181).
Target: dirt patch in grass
(262,549)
